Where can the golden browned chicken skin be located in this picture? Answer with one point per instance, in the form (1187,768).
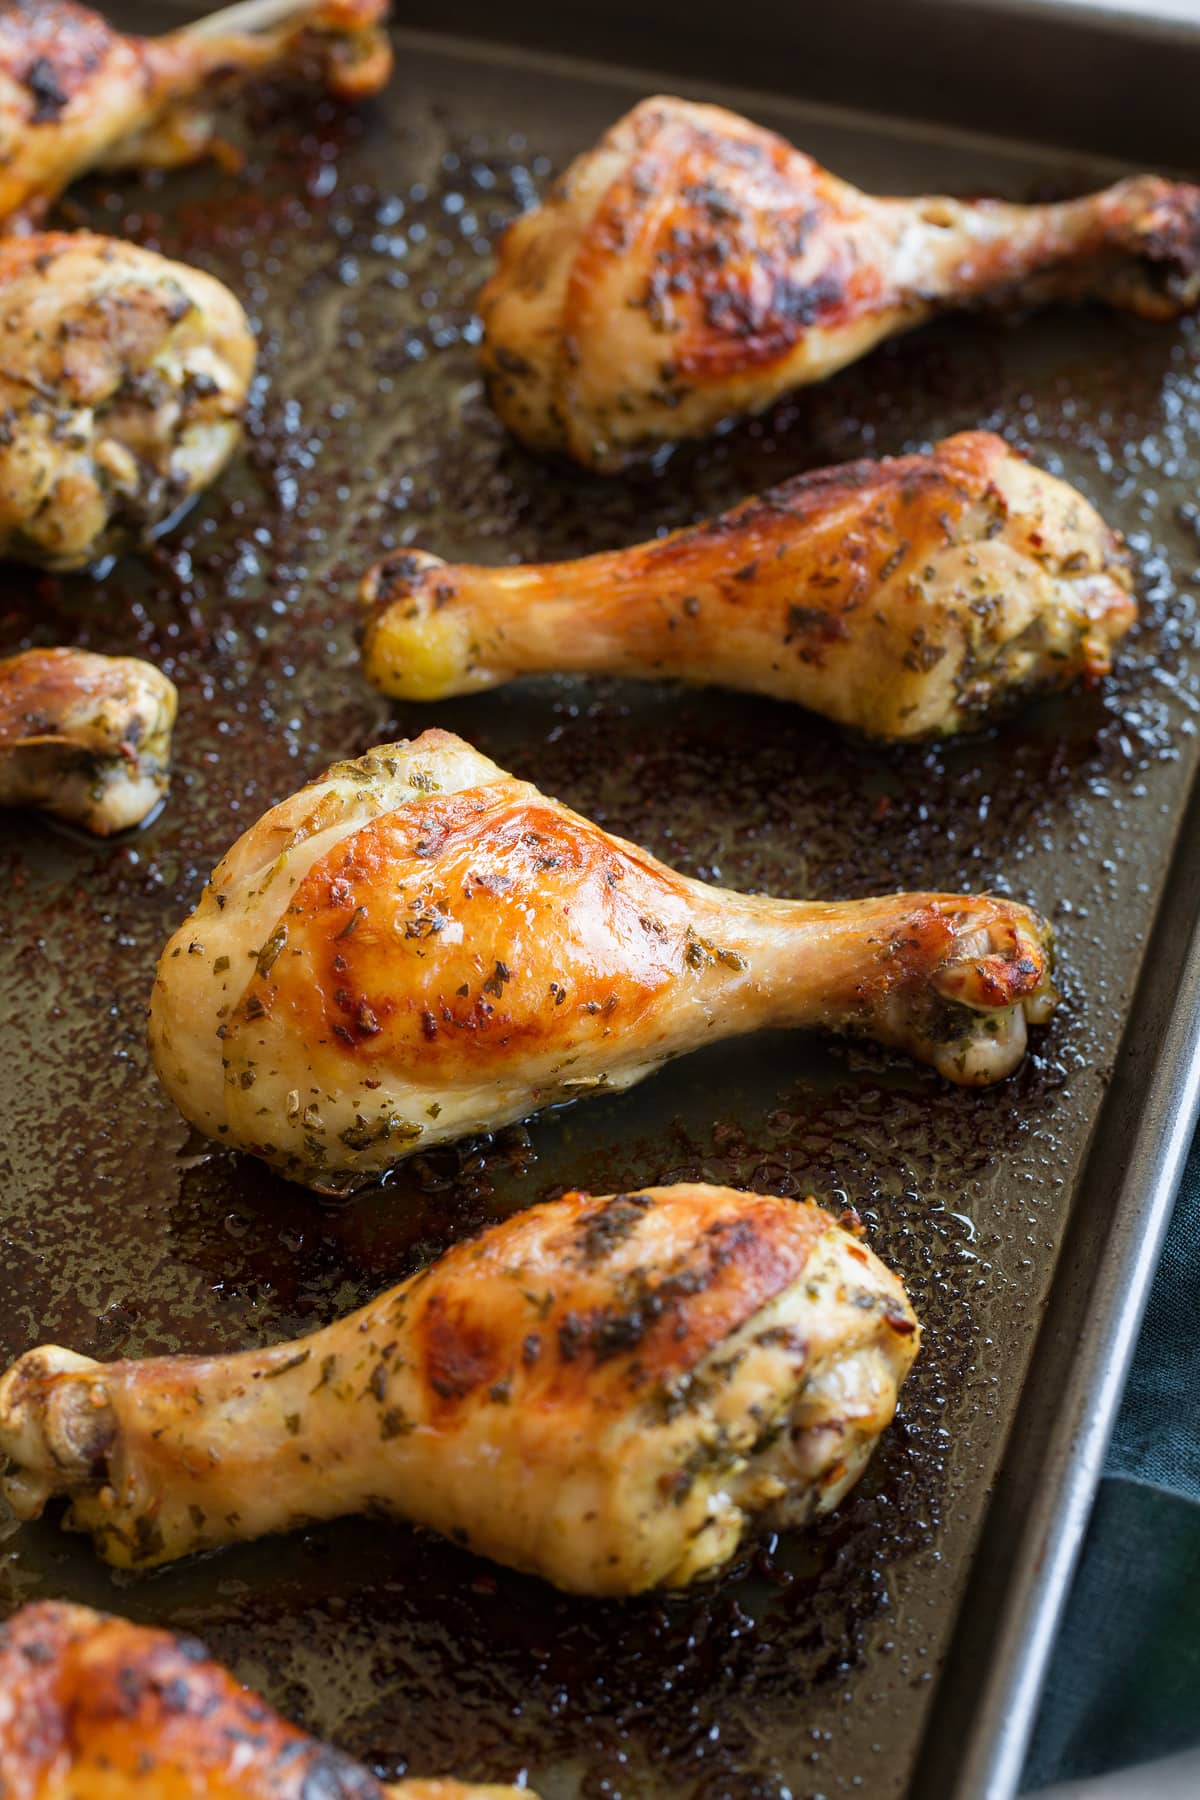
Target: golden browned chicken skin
(77,94)
(123,382)
(95,1708)
(693,267)
(84,736)
(417,946)
(605,1392)
(904,597)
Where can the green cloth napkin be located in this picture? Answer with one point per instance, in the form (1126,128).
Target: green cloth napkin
(1124,1682)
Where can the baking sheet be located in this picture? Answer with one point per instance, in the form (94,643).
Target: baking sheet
(358,243)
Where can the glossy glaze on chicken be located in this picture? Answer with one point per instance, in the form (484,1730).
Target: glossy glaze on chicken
(96,1708)
(693,267)
(76,94)
(906,597)
(123,382)
(86,737)
(417,947)
(603,1392)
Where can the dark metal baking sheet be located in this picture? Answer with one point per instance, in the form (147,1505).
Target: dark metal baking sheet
(815,1665)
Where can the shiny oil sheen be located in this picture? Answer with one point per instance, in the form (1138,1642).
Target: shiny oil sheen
(357,243)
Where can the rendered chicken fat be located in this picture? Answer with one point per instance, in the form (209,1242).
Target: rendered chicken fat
(694,266)
(96,1708)
(906,597)
(122,387)
(417,947)
(605,1392)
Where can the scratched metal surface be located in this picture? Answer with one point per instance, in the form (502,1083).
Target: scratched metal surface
(358,244)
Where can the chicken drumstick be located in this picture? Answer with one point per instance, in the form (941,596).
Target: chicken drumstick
(87,737)
(76,94)
(96,1708)
(693,266)
(417,946)
(122,389)
(602,1392)
(904,597)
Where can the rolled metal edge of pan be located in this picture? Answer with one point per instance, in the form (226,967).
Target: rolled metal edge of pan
(1047,1479)
(1105,77)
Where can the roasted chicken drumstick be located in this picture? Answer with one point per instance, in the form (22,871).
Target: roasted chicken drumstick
(904,597)
(123,380)
(87,737)
(693,267)
(76,94)
(417,946)
(603,1392)
(95,1708)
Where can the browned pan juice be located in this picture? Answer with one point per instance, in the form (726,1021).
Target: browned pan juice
(358,244)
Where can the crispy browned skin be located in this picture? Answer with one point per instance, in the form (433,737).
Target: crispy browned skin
(86,737)
(95,1708)
(905,597)
(694,266)
(76,94)
(603,1391)
(418,946)
(123,382)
